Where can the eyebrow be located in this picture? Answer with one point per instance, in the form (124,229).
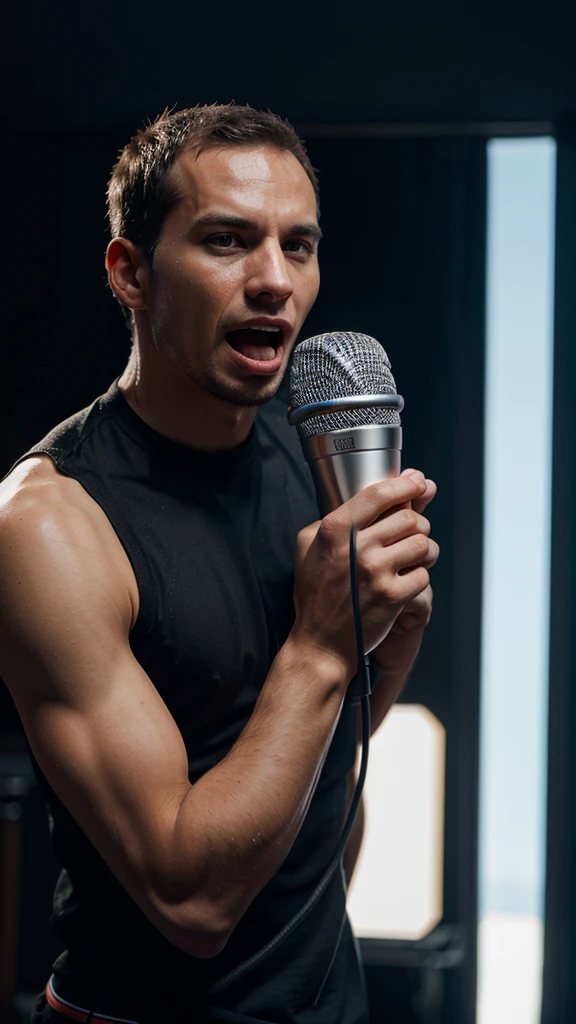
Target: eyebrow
(230,221)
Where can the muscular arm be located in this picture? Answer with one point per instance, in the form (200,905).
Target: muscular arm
(192,857)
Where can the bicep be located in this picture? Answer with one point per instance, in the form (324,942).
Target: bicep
(98,728)
(118,764)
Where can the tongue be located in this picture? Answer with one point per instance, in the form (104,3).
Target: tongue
(254,344)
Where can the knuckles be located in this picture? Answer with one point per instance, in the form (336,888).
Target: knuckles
(424,579)
(415,522)
(392,488)
(371,563)
(409,519)
(420,545)
(379,490)
(305,537)
(393,591)
(331,529)
(434,553)
(413,584)
(424,525)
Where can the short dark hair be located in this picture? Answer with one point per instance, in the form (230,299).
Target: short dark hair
(141,192)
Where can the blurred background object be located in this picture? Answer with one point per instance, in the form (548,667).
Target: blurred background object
(445,139)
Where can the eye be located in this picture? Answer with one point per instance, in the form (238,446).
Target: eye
(224,240)
(298,245)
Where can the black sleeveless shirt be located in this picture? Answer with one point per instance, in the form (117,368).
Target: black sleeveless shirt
(211,540)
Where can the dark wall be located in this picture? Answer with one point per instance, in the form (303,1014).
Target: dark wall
(64,334)
(98,66)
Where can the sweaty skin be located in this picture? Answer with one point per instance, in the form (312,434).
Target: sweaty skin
(194,857)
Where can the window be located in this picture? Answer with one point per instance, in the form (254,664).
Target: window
(518,433)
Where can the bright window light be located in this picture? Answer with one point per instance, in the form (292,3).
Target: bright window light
(518,433)
(396,889)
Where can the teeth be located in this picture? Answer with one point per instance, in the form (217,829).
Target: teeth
(271,329)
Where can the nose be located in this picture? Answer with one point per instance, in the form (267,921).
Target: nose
(268,279)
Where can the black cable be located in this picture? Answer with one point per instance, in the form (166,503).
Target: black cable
(360,686)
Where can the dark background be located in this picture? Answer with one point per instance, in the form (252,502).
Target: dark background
(78,81)
(95,66)
(395,105)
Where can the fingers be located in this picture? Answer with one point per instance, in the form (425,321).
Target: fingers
(413,551)
(398,558)
(400,524)
(398,571)
(419,504)
(411,584)
(395,554)
(388,526)
(372,502)
(416,614)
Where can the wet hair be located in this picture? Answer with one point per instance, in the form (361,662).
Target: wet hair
(141,190)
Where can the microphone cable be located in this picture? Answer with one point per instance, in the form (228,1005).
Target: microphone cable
(359,686)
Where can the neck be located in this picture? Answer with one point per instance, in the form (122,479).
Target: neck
(174,405)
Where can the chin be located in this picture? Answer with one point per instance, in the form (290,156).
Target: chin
(241,393)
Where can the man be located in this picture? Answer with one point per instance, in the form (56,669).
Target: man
(176,625)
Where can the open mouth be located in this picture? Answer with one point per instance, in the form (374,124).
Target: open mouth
(259,343)
(258,349)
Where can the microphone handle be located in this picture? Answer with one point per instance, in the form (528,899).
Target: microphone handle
(342,463)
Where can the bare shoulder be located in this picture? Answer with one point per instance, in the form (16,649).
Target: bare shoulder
(98,728)
(49,523)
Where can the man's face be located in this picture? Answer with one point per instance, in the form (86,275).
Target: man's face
(235,270)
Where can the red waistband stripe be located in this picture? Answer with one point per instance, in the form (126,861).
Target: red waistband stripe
(68,1009)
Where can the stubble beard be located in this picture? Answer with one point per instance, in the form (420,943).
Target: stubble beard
(237,393)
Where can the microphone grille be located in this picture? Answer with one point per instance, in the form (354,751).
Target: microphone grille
(339,365)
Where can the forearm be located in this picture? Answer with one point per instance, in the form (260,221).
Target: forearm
(236,825)
(386,688)
(391,665)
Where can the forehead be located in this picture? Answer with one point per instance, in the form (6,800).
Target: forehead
(252,180)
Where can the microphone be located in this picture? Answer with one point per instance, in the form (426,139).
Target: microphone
(344,404)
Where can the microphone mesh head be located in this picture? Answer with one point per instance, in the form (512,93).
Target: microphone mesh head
(340,365)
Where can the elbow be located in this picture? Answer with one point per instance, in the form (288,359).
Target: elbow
(198,935)
(195,921)
(204,946)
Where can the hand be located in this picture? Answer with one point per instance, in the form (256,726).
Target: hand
(397,652)
(394,553)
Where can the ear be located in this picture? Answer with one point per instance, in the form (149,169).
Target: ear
(127,275)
